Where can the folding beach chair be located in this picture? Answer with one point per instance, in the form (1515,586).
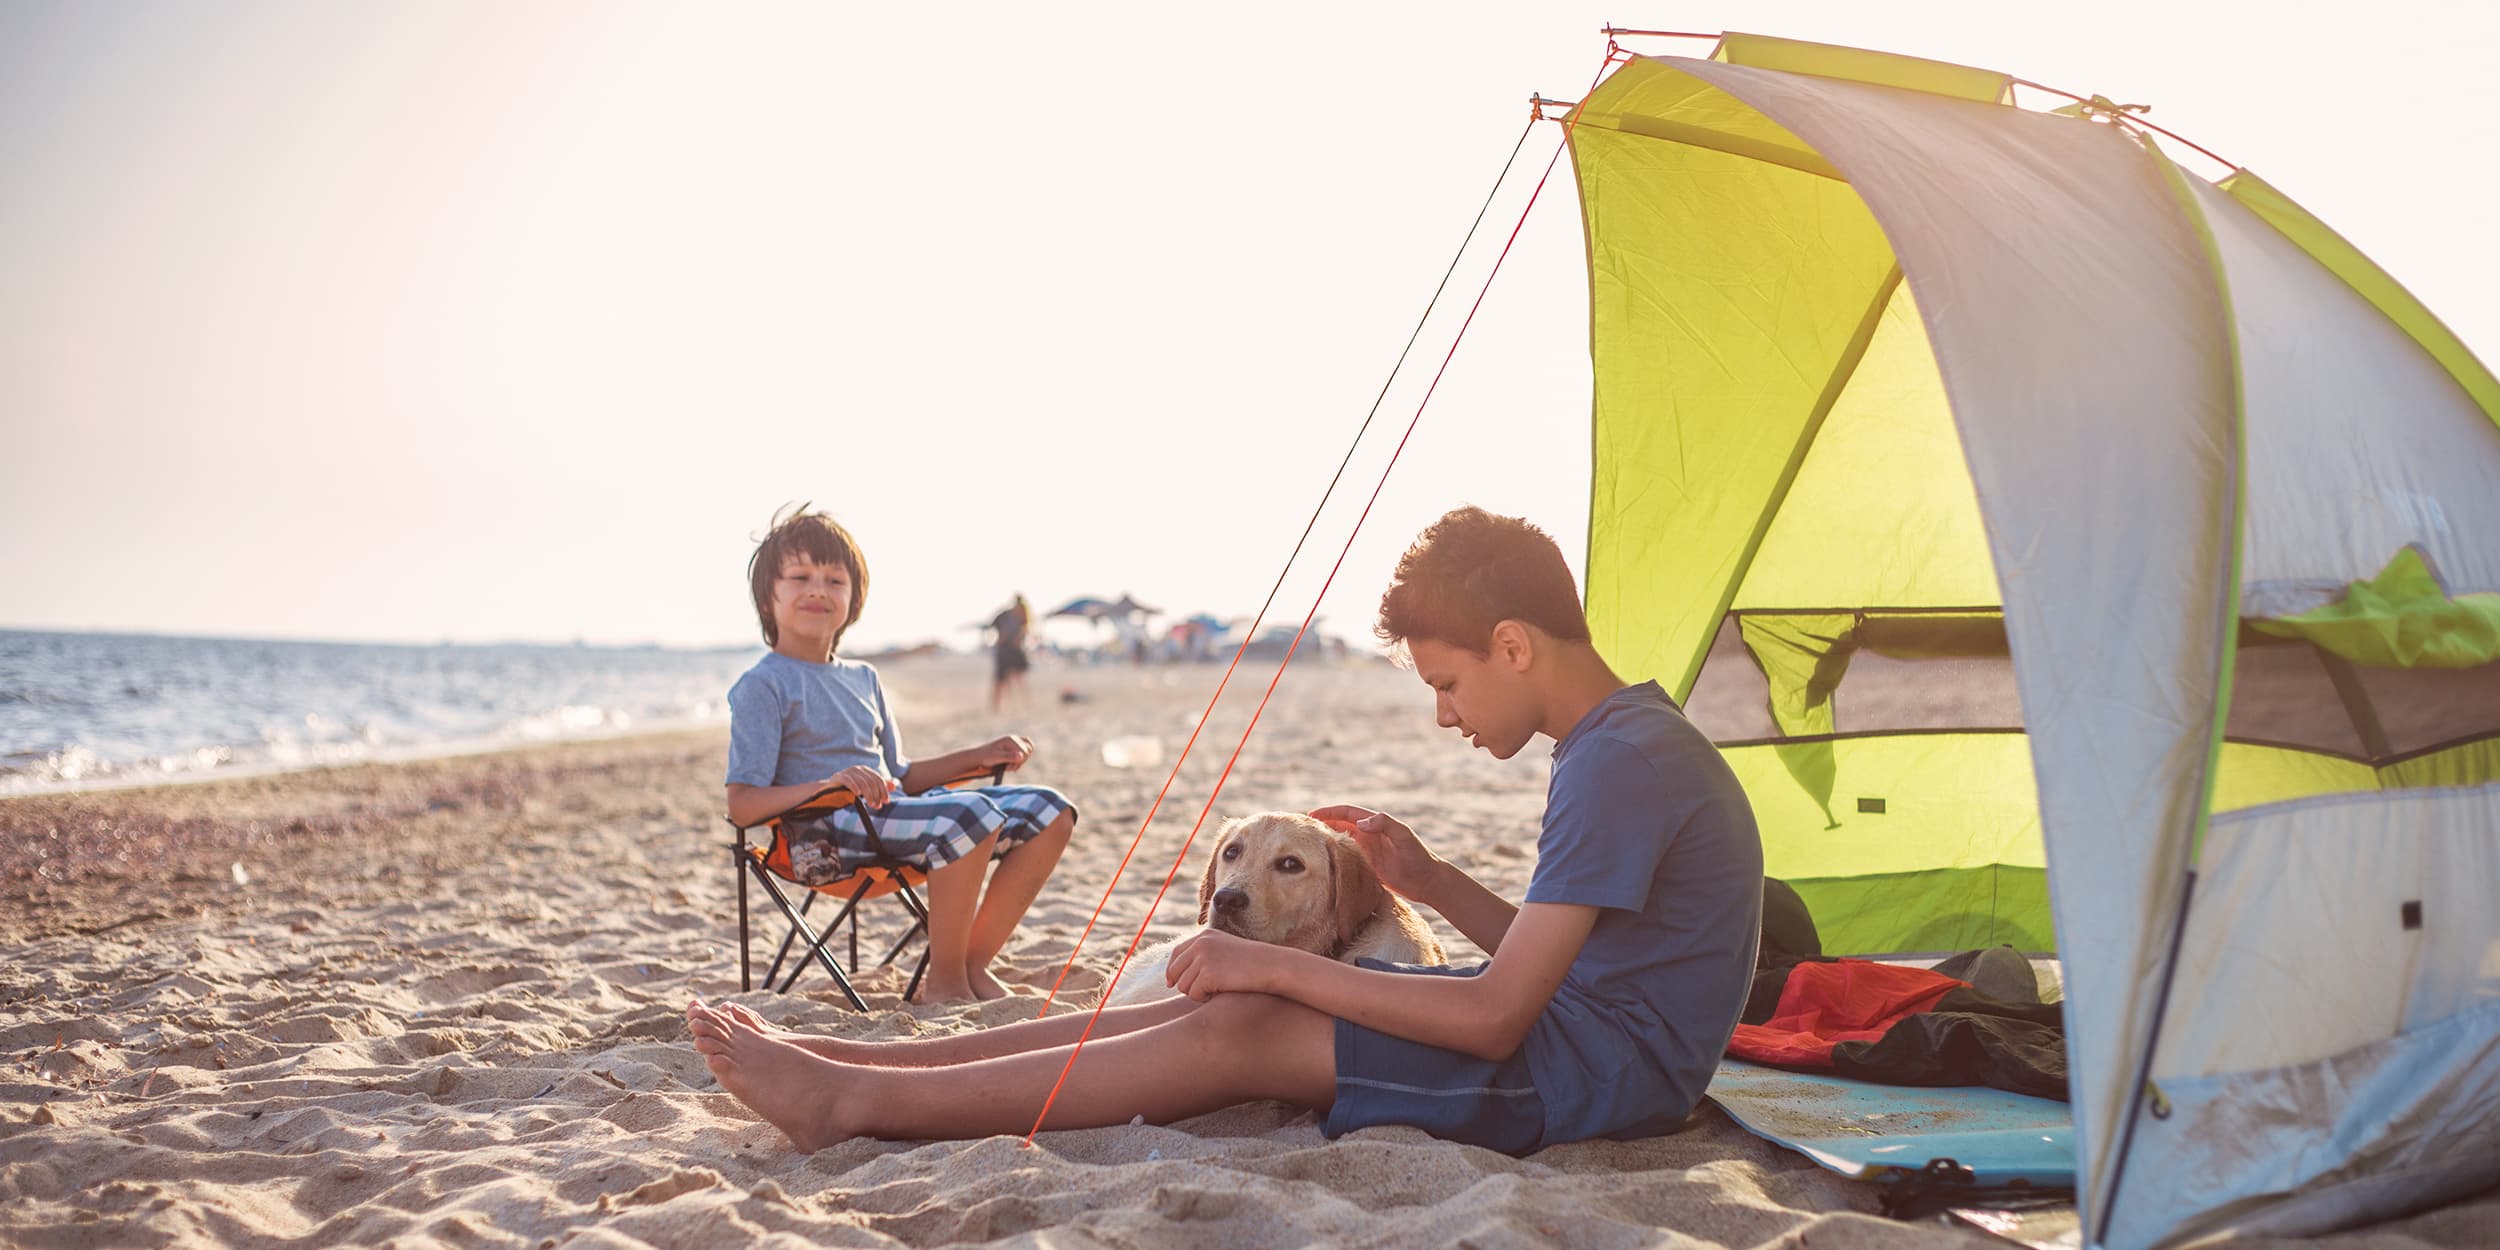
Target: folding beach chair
(769,865)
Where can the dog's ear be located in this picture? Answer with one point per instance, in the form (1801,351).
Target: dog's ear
(1206,880)
(1358,888)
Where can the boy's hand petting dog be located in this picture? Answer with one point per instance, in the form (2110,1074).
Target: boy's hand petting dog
(1211,962)
(873,788)
(1396,855)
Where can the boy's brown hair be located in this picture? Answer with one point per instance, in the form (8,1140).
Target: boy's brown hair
(1472,570)
(816,535)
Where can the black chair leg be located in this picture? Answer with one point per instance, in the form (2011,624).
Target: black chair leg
(807,902)
(817,941)
(919,928)
(738,866)
(747,861)
(815,946)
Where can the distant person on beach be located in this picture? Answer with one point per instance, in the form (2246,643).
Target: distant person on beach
(803,719)
(1132,635)
(1611,992)
(1008,662)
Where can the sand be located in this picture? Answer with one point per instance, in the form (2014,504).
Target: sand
(438,1003)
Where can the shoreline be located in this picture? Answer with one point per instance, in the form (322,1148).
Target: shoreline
(924,675)
(382,757)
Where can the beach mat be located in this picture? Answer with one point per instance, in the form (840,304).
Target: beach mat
(1891,1133)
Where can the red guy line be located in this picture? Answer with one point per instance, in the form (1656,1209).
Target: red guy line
(1307,618)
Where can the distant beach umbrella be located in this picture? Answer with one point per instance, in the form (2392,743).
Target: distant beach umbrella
(1089,608)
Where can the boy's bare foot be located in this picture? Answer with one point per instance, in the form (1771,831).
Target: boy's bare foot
(797,1092)
(936,993)
(987,986)
(840,1050)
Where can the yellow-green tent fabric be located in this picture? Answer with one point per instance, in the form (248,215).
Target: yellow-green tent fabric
(1948,456)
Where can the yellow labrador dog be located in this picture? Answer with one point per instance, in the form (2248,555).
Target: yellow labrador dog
(1285,878)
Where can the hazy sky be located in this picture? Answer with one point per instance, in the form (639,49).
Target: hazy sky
(481,321)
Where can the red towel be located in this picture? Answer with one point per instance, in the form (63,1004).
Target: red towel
(1825,1004)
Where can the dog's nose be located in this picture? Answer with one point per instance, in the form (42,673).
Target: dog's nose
(1230,899)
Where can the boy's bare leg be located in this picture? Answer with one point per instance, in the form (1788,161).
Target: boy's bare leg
(1013,886)
(1235,1048)
(1006,1039)
(954,896)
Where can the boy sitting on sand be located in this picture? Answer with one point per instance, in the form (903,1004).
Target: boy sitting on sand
(803,719)
(1611,992)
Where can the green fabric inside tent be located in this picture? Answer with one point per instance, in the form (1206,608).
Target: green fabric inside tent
(2401,618)
(1844,489)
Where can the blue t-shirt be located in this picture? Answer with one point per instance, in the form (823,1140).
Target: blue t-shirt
(1645,821)
(792,722)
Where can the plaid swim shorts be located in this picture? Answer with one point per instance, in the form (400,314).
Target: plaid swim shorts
(926,831)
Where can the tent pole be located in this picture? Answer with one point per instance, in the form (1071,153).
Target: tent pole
(1610,31)
(2100,1197)
(2356,699)
(2144,1073)
(2209,153)
(1843,370)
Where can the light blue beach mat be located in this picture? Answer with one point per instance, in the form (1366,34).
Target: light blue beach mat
(1891,1133)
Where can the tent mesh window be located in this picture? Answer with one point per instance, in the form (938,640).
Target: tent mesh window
(1786,677)
(1892,743)
(2290,693)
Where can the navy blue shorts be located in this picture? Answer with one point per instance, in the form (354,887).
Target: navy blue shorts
(1390,1080)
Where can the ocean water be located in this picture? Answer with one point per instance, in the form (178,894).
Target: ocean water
(89,710)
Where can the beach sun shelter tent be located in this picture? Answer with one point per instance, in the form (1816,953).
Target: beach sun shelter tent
(2070,551)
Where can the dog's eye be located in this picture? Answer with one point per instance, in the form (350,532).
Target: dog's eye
(1232,852)
(1289,864)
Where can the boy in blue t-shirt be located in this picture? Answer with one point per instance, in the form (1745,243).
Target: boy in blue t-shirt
(1609,997)
(803,719)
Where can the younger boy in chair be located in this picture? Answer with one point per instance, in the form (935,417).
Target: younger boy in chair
(804,718)
(1611,992)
